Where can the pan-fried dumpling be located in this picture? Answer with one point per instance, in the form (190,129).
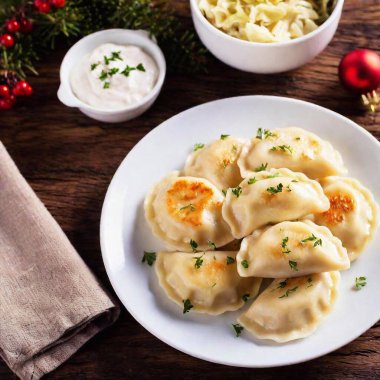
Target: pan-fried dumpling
(352,215)
(217,162)
(293,308)
(291,249)
(186,213)
(293,148)
(270,197)
(207,282)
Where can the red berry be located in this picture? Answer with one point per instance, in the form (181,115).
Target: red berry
(12,25)
(22,88)
(4,91)
(7,103)
(26,25)
(7,40)
(57,3)
(42,5)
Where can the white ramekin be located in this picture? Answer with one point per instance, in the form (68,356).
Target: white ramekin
(88,44)
(265,58)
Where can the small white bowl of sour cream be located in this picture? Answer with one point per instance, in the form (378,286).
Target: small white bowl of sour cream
(113,75)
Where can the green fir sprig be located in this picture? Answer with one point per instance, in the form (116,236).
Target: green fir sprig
(183,51)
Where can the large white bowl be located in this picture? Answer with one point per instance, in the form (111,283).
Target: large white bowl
(86,45)
(265,58)
(124,233)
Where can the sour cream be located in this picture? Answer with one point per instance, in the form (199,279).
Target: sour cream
(114,76)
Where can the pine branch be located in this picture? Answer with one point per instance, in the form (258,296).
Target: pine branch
(181,47)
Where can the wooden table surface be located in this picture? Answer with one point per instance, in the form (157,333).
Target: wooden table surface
(70,159)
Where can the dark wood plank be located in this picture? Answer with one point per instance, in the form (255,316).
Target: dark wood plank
(69,160)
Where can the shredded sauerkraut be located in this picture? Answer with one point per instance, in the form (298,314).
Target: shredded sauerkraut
(266,20)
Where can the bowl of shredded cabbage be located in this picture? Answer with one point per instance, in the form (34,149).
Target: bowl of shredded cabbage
(266,36)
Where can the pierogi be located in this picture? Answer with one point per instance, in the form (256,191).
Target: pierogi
(186,213)
(352,216)
(208,281)
(270,197)
(293,148)
(278,208)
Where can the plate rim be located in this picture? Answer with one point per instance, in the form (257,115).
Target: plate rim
(106,255)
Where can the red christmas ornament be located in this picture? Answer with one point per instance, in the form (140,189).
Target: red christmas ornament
(22,88)
(12,25)
(4,91)
(26,25)
(57,3)
(359,73)
(42,5)
(7,103)
(7,40)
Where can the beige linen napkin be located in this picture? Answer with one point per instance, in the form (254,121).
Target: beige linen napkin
(50,302)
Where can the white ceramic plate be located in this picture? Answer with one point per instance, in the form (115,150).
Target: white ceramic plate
(125,234)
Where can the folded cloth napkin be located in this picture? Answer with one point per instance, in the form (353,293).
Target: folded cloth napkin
(50,302)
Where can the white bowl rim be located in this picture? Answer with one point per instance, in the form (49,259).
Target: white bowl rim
(155,90)
(269,45)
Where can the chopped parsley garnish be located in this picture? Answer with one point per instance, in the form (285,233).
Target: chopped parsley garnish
(223,137)
(245,297)
(94,66)
(103,75)
(309,281)
(198,146)
(259,134)
(282,148)
(266,133)
(198,261)
(214,284)
(238,329)
(294,180)
(284,246)
(274,175)
(261,168)
(281,285)
(114,56)
(113,71)
(251,181)
(237,191)
(149,258)
(297,138)
(189,206)
(230,260)
(314,239)
(106,85)
(360,282)
(193,245)
(211,244)
(127,70)
(224,191)
(245,264)
(288,188)
(234,148)
(275,190)
(186,306)
(286,294)
(293,265)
